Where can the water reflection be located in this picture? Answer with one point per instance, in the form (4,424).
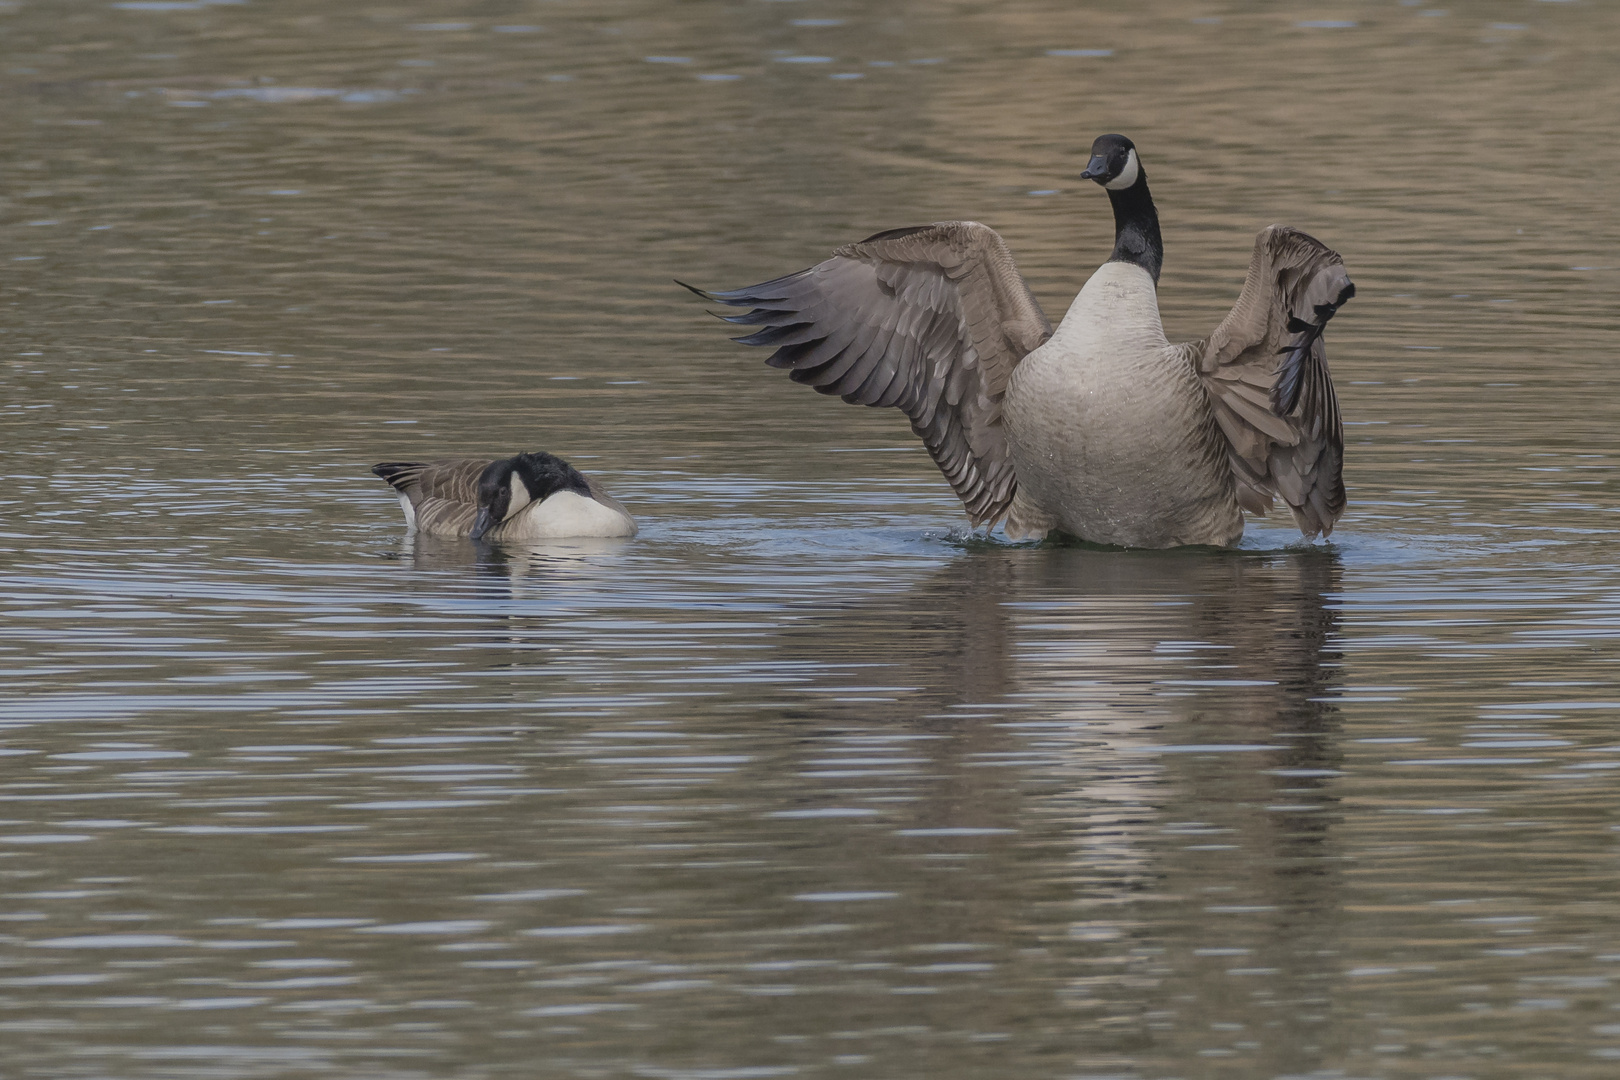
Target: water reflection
(909,653)
(1154,733)
(524,566)
(1194,691)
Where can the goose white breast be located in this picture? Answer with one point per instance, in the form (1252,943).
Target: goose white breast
(1086,461)
(566,513)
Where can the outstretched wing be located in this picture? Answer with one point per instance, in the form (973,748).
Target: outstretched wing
(1265,369)
(930,320)
(443,494)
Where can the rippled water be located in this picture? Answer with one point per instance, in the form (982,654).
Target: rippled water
(803,781)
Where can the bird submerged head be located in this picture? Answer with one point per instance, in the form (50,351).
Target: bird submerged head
(501,493)
(507,486)
(1113,163)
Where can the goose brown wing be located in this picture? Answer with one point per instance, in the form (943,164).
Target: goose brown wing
(930,320)
(444,494)
(1265,370)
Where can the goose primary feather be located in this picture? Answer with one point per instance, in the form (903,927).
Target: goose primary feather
(526,497)
(1099,428)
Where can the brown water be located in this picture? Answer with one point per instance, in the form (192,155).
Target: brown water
(802,781)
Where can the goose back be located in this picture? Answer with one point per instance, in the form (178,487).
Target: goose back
(439,497)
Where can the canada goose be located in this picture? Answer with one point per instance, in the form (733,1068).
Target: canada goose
(527,497)
(1101,429)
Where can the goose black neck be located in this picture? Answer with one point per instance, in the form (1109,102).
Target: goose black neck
(1136,228)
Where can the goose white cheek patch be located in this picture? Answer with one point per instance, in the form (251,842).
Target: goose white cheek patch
(520,496)
(1127,175)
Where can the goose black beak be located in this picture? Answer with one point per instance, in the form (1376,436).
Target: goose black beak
(1097,170)
(485,522)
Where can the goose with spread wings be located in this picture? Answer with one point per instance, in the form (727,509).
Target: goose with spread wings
(1100,429)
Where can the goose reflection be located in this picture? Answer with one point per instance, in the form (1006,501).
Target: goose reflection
(1137,648)
(1140,686)
(1136,749)
(515,568)
(1203,818)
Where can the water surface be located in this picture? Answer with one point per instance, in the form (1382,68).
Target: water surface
(805,780)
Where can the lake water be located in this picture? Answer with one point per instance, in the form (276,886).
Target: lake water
(804,781)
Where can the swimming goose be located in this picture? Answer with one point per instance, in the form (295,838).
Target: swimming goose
(1101,429)
(527,497)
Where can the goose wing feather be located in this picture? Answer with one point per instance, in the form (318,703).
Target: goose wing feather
(1265,371)
(930,320)
(444,494)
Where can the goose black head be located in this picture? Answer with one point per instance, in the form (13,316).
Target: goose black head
(1113,163)
(507,486)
